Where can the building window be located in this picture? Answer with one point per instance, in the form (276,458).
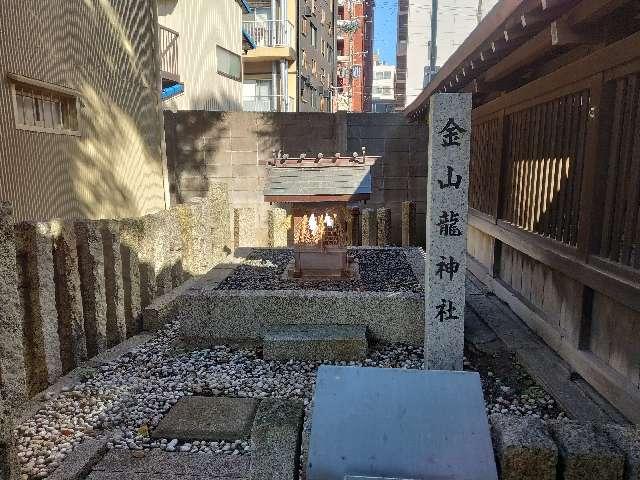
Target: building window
(305,26)
(304,59)
(387,75)
(229,64)
(323,48)
(314,98)
(314,35)
(314,66)
(42,107)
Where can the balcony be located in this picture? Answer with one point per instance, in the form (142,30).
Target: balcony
(269,103)
(274,40)
(169,70)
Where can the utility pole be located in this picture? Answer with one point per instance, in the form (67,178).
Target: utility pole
(433,60)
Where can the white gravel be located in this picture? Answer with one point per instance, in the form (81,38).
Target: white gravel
(126,398)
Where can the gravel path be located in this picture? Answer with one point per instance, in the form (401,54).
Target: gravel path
(381,270)
(127,397)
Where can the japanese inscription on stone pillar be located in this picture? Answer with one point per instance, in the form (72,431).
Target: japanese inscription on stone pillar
(447,204)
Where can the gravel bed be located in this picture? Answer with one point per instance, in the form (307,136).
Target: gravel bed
(126,398)
(381,270)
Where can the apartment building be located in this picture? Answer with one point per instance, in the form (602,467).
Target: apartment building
(201,48)
(455,21)
(292,67)
(355,55)
(80,119)
(383,89)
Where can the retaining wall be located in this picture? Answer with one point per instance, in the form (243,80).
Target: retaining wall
(72,289)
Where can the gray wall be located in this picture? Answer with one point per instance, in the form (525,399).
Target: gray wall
(213,147)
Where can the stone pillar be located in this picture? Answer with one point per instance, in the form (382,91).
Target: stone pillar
(447,205)
(131,288)
(92,283)
(13,377)
(384,226)
(278,226)
(369,227)
(34,249)
(408,224)
(353,227)
(114,290)
(73,343)
(9,465)
(244,227)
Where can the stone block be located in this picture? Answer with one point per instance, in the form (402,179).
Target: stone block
(627,439)
(315,342)
(408,224)
(383,216)
(34,250)
(114,289)
(524,448)
(13,377)
(276,437)
(131,288)
(585,453)
(278,227)
(369,227)
(161,309)
(92,283)
(158,464)
(208,418)
(73,343)
(245,226)
(78,464)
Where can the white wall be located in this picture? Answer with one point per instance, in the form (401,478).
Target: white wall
(456,20)
(202,25)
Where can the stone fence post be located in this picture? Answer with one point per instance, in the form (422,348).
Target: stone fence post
(384,226)
(114,290)
(369,227)
(408,224)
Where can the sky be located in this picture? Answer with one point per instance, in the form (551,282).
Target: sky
(385,30)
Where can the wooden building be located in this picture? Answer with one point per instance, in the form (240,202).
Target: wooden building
(555,176)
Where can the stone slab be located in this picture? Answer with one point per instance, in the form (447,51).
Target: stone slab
(159,311)
(9,465)
(81,460)
(586,453)
(208,418)
(157,462)
(399,423)
(524,448)
(315,342)
(276,437)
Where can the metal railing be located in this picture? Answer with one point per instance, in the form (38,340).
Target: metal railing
(270,33)
(169,52)
(268,103)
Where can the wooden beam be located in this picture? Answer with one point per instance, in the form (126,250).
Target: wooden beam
(589,11)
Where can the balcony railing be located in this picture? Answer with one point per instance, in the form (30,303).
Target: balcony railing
(269,103)
(270,33)
(169,54)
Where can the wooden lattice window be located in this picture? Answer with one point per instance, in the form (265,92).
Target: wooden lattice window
(43,107)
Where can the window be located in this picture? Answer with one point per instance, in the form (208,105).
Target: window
(323,48)
(305,26)
(379,75)
(387,75)
(43,107)
(229,64)
(304,59)
(314,35)
(323,16)
(314,66)
(314,98)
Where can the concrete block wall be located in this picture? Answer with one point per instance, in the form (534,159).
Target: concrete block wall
(71,289)
(215,147)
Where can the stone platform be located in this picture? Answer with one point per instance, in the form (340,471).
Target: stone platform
(387,300)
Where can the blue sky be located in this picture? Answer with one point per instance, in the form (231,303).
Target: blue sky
(385,30)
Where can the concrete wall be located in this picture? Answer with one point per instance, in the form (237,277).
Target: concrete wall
(71,289)
(206,147)
(203,25)
(106,51)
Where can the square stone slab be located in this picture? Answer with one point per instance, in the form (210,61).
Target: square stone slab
(393,423)
(208,418)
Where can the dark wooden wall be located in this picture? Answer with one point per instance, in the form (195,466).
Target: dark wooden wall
(555,212)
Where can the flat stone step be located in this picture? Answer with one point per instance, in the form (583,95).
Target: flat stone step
(315,342)
(157,464)
(208,418)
